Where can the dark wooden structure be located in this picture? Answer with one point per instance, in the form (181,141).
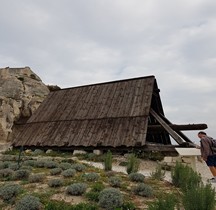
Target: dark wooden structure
(122,114)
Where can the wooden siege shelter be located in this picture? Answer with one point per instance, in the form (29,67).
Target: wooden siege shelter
(125,114)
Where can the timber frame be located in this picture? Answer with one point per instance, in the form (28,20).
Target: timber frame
(119,115)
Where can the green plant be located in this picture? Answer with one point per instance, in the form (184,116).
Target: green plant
(21,174)
(61,205)
(93,194)
(132,164)
(115,181)
(4,164)
(29,202)
(167,202)
(29,163)
(84,206)
(127,206)
(65,166)
(76,189)
(55,183)
(6,173)
(185,177)
(78,167)
(55,171)
(108,161)
(8,192)
(143,190)
(91,177)
(39,163)
(110,198)
(199,198)
(69,172)
(13,166)
(158,174)
(50,164)
(38,152)
(34,178)
(136,177)
(98,186)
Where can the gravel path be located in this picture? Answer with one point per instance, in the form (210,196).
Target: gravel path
(147,167)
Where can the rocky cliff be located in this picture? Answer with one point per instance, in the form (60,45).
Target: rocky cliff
(21,92)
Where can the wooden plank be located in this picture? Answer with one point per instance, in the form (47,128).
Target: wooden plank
(166,127)
(176,127)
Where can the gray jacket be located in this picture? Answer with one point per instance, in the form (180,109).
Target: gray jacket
(205,148)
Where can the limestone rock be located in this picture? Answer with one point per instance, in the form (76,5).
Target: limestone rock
(21,92)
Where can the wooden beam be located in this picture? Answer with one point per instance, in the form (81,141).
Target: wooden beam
(182,135)
(172,133)
(182,127)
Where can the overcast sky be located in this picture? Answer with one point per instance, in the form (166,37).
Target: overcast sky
(75,42)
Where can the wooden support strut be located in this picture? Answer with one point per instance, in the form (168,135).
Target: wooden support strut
(175,127)
(167,127)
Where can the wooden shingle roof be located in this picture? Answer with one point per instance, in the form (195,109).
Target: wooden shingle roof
(113,114)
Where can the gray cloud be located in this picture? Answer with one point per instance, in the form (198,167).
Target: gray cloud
(72,43)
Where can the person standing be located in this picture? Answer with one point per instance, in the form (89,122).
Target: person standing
(207,154)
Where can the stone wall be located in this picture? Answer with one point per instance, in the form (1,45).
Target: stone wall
(21,92)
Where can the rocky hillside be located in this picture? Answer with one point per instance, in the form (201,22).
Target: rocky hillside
(21,92)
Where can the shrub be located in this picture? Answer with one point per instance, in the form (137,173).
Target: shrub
(128,206)
(36,178)
(185,177)
(78,167)
(13,166)
(29,163)
(115,181)
(55,183)
(65,166)
(108,161)
(29,202)
(91,177)
(84,206)
(55,171)
(40,163)
(110,173)
(61,205)
(110,198)
(136,177)
(4,165)
(143,190)
(69,173)
(167,202)
(132,164)
(93,194)
(57,205)
(6,173)
(158,174)
(8,192)
(29,168)
(38,152)
(21,174)
(76,189)
(199,198)
(50,164)
(98,186)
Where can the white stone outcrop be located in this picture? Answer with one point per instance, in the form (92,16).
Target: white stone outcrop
(21,92)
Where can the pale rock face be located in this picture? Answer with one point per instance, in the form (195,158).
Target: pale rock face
(21,92)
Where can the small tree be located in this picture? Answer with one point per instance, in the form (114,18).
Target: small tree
(199,198)
(132,164)
(108,161)
(185,177)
